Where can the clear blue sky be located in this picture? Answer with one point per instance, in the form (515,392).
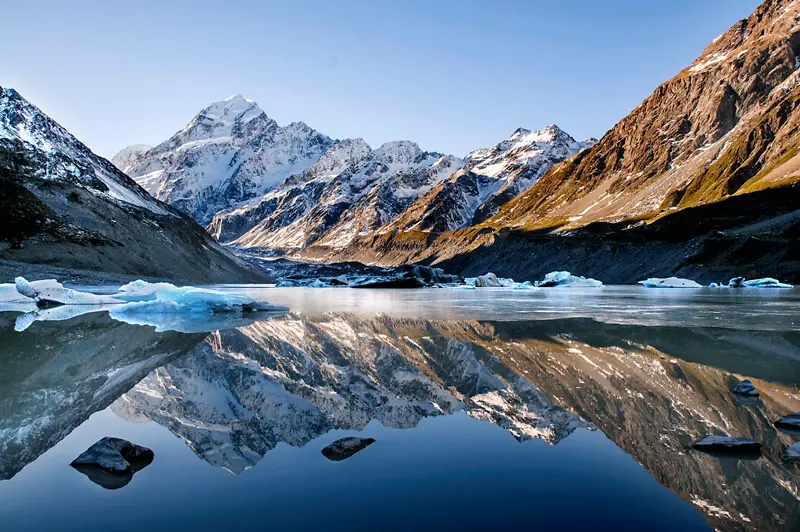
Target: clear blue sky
(450,75)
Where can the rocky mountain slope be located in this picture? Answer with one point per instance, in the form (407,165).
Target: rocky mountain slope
(351,190)
(490,178)
(284,189)
(62,205)
(127,157)
(702,174)
(230,152)
(727,124)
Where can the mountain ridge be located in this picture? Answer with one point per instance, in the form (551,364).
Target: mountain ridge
(64,206)
(351,189)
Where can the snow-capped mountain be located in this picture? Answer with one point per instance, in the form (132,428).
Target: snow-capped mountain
(490,178)
(65,206)
(230,152)
(62,157)
(261,185)
(351,190)
(125,158)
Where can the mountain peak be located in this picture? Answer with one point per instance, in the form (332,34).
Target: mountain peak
(236,107)
(527,136)
(398,151)
(238,98)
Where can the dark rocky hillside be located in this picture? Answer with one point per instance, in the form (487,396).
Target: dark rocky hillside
(63,206)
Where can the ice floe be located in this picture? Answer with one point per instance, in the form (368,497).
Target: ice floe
(552,279)
(669,282)
(161,305)
(9,294)
(490,280)
(166,298)
(741,282)
(563,278)
(51,291)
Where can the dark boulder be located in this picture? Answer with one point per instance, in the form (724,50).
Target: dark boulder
(345,448)
(111,462)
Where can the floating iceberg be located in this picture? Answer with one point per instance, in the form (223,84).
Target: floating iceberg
(185,309)
(53,292)
(162,305)
(527,285)
(559,279)
(165,298)
(741,282)
(13,301)
(9,294)
(766,282)
(669,282)
(490,280)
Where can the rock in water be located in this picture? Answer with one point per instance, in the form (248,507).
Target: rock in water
(746,388)
(790,422)
(792,454)
(345,448)
(115,455)
(726,444)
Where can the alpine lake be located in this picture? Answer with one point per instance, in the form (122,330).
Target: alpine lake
(544,409)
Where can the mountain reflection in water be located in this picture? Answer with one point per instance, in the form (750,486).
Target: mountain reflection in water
(233,395)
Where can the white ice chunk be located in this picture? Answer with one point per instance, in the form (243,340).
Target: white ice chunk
(166,298)
(564,278)
(669,282)
(51,291)
(741,282)
(9,294)
(490,280)
(766,282)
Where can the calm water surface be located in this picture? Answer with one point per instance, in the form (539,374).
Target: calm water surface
(542,409)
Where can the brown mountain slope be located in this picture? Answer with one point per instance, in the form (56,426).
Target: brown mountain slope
(724,127)
(715,129)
